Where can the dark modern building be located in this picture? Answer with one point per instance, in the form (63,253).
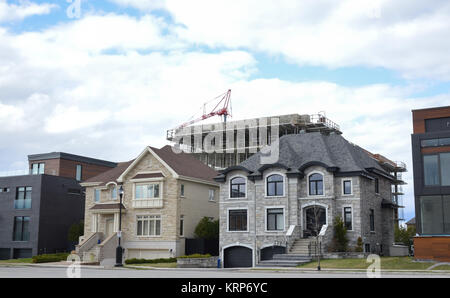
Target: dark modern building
(431,162)
(37,210)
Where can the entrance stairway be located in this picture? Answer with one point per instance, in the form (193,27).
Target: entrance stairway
(94,250)
(302,251)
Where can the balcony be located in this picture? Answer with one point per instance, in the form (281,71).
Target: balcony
(148,203)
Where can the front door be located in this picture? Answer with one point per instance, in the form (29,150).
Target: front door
(315,218)
(109,226)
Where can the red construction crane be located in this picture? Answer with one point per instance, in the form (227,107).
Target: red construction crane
(217,111)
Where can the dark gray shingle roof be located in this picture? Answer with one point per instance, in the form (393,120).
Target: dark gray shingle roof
(331,150)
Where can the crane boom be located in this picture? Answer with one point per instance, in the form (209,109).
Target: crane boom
(217,111)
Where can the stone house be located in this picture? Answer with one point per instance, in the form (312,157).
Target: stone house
(165,195)
(268,210)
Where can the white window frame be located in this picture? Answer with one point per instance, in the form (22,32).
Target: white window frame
(343,216)
(351,187)
(181,231)
(229,187)
(182,190)
(99,195)
(284,184)
(323,184)
(228,219)
(266,208)
(149,236)
(148,183)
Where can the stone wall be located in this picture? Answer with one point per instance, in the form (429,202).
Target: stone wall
(197,262)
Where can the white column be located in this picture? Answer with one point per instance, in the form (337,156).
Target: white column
(95,223)
(116,222)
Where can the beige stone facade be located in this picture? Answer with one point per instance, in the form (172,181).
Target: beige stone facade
(170,208)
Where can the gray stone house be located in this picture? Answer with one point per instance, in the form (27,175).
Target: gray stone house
(278,208)
(165,196)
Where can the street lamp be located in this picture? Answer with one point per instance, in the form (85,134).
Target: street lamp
(119,233)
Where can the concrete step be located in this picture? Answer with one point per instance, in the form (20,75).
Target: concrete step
(292,257)
(282,263)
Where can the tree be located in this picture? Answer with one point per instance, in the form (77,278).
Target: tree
(340,241)
(75,231)
(207,228)
(359,245)
(405,235)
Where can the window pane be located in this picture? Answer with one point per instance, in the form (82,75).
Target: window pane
(138,192)
(430,167)
(279,189)
(429,143)
(445,168)
(78,173)
(347,187)
(97,195)
(17,229)
(114,193)
(271,222)
(156,190)
(145,228)
(26,229)
(431,214)
(444,142)
(158,227)
(280,221)
(41,168)
(274,178)
(319,187)
(270,189)
(446,208)
(34,169)
(139,228)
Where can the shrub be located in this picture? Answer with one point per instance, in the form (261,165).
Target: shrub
(75,231)
(340,241)
(359,245)
(150,261)
(48,258)
(195,256)
(207,228)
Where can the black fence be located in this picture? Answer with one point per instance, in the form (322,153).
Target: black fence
(202,246)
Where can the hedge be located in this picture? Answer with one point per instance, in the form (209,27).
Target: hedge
(50,258)
(195,256)
(152,261)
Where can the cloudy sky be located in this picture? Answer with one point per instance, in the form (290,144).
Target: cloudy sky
(105,78)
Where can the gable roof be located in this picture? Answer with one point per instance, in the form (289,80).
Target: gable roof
(180,164)
(185,164)
(110,175)
(298,151)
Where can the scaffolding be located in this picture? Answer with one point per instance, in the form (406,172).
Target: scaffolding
(246,136)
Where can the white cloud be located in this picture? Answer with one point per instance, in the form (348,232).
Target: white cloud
(106,86)
(405,35)
(14,12)
(141,5)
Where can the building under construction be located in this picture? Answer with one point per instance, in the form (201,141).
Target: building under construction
(238,140)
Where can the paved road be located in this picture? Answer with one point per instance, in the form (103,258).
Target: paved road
(43,272)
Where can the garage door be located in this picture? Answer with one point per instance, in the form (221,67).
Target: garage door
(237,256)
(268,252)
(148,254)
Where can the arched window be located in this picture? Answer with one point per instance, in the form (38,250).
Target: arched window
(275,185)
(315,184)
(237,187)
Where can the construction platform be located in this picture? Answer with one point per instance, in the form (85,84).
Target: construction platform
(257,131)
